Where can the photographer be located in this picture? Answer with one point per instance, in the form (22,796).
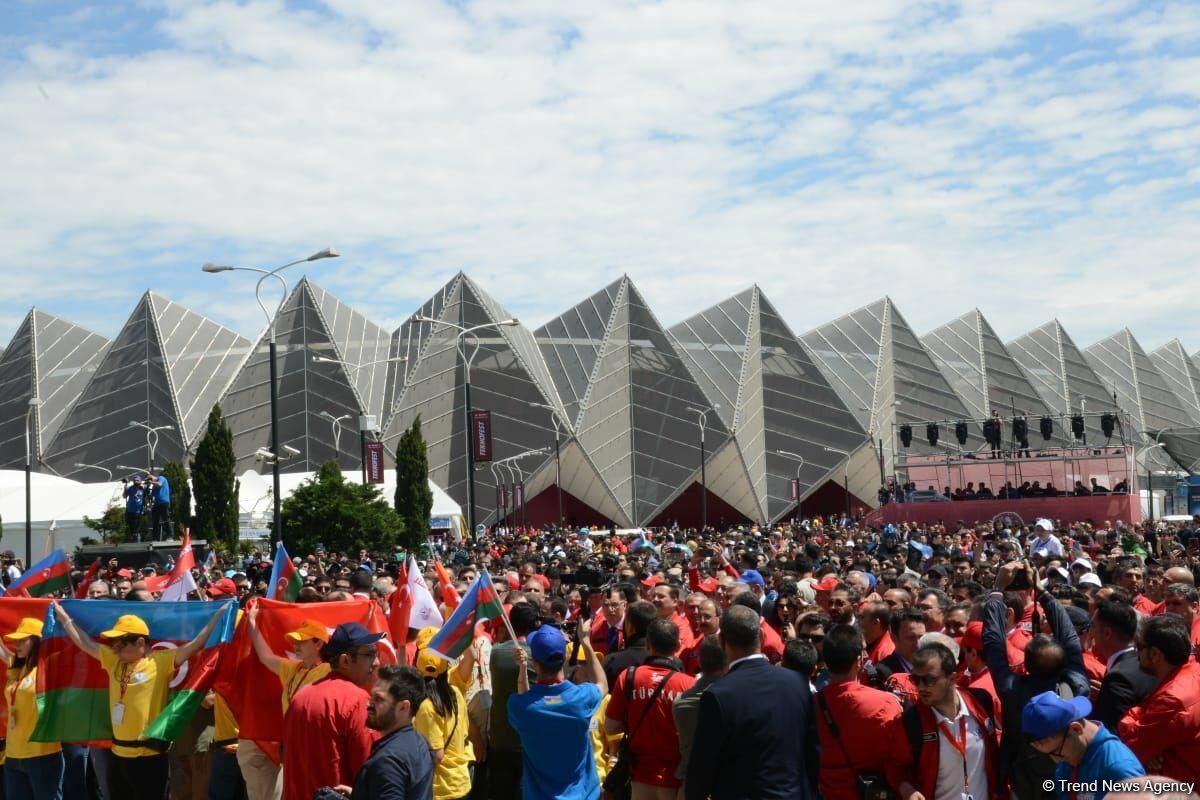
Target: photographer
(135,500)
(160,512)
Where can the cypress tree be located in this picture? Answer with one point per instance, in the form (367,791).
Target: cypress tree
(414,499)
(215,483)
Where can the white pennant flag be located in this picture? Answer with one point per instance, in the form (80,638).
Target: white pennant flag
(425,612)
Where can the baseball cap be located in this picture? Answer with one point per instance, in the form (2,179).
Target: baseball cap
(753,577)
(709,585)
(1090,579)
(653,580)
(348,636)
(547,645)
(1080,619)
(828,583)
(222,588)
(1082,562)
(1048,714)
(972,637)
(127,625)
(429,662)
(309,629)
(30,626)
(945,641)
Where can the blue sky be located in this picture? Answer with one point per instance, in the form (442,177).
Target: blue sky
(1032,159)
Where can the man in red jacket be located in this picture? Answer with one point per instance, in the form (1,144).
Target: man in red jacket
(852,719)
(1164,731)
(976,674)
(957,728)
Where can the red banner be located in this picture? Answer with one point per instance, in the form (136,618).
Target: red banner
(518,495)
(795,482)
(374,456)
(502,497)
(481,435)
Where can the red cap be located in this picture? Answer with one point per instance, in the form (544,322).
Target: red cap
(709,585)
(513,581)
(124,573)
(973,636)
(828,583)
(222,588)
(544,581)
(653,580)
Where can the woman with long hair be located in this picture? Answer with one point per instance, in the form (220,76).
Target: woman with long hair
(31,769)
(442,719)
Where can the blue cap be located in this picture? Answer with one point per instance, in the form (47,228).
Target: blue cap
(348,636)
(753,576)
(1048,714)
(547,645)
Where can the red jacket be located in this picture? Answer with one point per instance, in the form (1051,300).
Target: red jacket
(883,647)
(981,681)
(325,737)
(863,717)
(1167,724)
(772,644)
(1144,605)
(600,634)
(923,774)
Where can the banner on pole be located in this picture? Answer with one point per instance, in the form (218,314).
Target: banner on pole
(518,495)
(481,435)
(374,455)
(501,497)
(795,482)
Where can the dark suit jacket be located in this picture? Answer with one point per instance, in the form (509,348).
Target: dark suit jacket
(889,667)
(755,737)
(1124,686)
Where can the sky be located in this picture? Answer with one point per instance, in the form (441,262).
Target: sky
(1033,159)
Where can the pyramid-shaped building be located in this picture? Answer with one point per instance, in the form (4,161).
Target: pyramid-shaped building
(508,378)
(51,359)
(332,368)
(887,378)
(983,373)
(166,369)
(1183,376)
(770,394)
(407,342)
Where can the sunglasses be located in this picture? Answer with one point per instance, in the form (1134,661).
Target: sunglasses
(926,680)
(811,637)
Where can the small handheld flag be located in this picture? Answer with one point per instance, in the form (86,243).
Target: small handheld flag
(285,579)
(51,574)
(479,603)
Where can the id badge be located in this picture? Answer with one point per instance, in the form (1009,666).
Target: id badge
(967,796)
(118,714)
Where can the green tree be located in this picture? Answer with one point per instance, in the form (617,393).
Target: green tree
(216,485)
(414,498)
(110,525)
(181,495)
(342,516)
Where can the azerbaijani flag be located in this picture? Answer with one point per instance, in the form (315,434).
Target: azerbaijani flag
(285,579)
(251,690)
(479,603)
(51,574)
(73,689)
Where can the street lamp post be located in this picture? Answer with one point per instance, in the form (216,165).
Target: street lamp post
(277,518)
(845,476)
(464,332)
(557,461)
(702,421)
(336,425)
(516,474)
(799,459)
(151,436)
(366,422)
(34,402)
(1149,484)
(81,465)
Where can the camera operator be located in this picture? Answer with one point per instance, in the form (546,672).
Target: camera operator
(160,512)
(135,500)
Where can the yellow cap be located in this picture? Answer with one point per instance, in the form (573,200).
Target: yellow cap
(428,662)
(29,626)
(127,625)
(309,630)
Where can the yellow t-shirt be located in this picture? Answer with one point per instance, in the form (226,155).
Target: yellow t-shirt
(602,744)
(295,676)
(21,694)
(146,685)
(452,777)
(224,725)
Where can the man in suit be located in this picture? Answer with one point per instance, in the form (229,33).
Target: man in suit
(755,733)
(1125,685)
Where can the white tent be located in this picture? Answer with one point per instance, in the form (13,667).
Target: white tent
(58,508)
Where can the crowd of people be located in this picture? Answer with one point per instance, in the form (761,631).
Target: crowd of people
(807,660)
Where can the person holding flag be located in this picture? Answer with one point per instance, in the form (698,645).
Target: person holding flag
(285,583)
(31,769)
(441,718)
(138,684)
(51,574)
(294,673)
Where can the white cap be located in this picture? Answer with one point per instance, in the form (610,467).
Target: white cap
(1090,579)
(1062,573)
(1082,562)
(933,637)
(1045,524)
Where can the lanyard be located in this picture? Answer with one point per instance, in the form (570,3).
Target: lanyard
(12,693)
(959,744)
(124,681)
(297,681)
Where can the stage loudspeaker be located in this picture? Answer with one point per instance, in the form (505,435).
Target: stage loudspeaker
(1077,426)
(1020,429)
(931,433)
(1047,426)
(906,435)
(1107,423)
(960,432)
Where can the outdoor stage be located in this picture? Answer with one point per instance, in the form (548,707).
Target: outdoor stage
(1095,509)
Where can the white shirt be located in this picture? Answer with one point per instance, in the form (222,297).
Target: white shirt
(1050,546)
(950,784)
(1113,658)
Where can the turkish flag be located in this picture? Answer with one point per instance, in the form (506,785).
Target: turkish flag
(12,611)
(251,690)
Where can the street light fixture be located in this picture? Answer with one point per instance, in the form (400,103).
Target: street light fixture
(799,459)
(95,466)
(702,421)
(463,332)
(34,403)
(557,460)
(151,436)
(517,475)
(845,476)
(363,427)
(1149,485)
(337,429)
(277,526)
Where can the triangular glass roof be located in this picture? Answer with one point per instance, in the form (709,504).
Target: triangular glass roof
(981,370)
(165,369)
(407,343)
(773,396)
(1141,389)
(311,389)
(1182,375)
(508,378)
(51,359)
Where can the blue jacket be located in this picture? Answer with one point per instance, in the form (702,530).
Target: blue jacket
(1107,758)
(400,767)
